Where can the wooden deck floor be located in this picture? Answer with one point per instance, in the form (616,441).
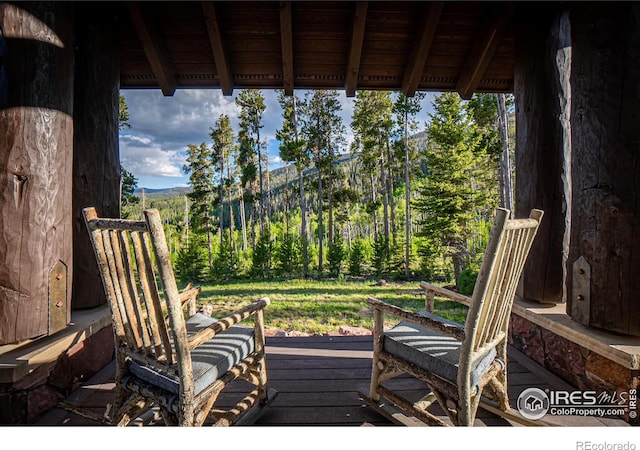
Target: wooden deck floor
(318,379)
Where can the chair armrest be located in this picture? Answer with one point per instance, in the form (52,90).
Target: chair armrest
(189,296)
(226,322)
(426,322)
(427,287)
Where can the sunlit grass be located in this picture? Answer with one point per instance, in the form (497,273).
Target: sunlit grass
(319,307)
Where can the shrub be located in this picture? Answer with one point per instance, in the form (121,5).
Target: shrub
(224,265)
(380,254)
(335,256)
(191,263)
(357,258)
(467,281)
(262,261)
(288,255)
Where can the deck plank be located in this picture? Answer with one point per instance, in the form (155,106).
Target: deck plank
(318,379)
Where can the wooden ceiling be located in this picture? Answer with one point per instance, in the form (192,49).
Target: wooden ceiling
(404,46)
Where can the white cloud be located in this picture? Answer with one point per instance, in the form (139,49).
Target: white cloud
(152,160)
(140,139)
(163,127)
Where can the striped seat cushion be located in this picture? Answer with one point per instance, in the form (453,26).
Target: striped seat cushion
(210,360)
(432,351)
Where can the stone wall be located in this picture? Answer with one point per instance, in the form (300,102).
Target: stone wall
(23,401)
(582,368)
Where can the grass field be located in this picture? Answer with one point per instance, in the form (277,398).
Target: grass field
(319,307)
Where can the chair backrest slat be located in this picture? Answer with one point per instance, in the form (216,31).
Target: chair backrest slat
(152,316)
(152,296)
(499,275)
(124,282)
(124,250)
(112,274)
(126,247)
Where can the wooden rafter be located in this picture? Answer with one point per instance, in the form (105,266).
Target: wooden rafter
(217,47)
(154,49)
(420,52)
(355,51)
(482,51)
(286,38)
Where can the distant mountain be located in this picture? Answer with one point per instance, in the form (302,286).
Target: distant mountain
(163,193)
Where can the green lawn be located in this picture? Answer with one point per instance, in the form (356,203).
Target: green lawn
(319,307)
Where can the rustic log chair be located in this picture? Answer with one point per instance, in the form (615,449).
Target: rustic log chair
(162,359)
(456,362)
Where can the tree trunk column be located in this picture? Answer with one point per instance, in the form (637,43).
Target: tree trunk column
(36,144)
(604,259)
(96,161)
(543,144)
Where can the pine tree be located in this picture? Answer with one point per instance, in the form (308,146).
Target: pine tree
(191,263)
(225,264)
(336,256)
(293,149)
(262,261)
(357,258)
(324,133)
(372,124)
(200,170)
(287,255)
(251,103)
(405,108)
(222,136)
(446,196)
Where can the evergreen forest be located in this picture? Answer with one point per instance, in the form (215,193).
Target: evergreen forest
(405,200)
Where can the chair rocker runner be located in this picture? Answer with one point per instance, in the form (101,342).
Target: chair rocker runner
(181,366)
(459,364)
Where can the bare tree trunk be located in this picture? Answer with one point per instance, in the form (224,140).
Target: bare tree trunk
(392,206)
(505,164)
(186,218)
(407,198)
(374,212)
(286,197)
(267,194)
(330,196)
(303,201)
(243,222)
(320,224)
(221,202)
(261,201)
(230,203)
(210,248)
(385,199)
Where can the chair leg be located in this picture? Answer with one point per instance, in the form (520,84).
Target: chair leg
(377,368)
(498,385)
(262,379)
(127,410)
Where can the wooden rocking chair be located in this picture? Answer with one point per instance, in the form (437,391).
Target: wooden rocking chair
(178,365)
(457,363)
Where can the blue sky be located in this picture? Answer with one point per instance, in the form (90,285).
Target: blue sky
(153,149)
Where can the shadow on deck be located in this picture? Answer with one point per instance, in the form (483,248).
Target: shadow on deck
(318,379)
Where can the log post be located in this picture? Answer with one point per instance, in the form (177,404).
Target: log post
(36,144)
(604,257)
(96,164)
(543,143)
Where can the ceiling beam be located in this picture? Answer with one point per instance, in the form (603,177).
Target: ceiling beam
(286,40)
(217,47)
(154,49)
(483,49)
(355,51)
(420,51)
